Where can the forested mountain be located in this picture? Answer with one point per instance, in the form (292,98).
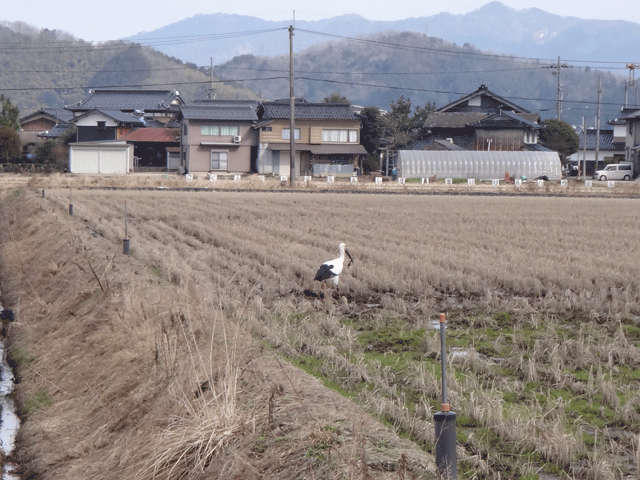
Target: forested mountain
(494,27)
(44,68)
(375,70)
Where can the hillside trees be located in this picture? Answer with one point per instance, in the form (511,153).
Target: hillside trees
(9,144)
(50,68)
(9,114)
(336,97)
(378,73)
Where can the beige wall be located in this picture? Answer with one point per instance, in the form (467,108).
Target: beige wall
(310,131)
(199,156)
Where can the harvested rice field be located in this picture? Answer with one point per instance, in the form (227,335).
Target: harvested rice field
(210,352)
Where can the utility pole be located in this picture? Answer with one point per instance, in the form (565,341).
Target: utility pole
(595,165)
(557,68)
(584,150)
(212,95)
(632,82)
(292,109)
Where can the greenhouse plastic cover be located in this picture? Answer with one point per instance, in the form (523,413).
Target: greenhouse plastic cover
(478,164)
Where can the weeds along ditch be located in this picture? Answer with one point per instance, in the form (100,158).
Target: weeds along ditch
(542,297)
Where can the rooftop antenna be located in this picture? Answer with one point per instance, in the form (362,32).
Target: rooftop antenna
(212,95)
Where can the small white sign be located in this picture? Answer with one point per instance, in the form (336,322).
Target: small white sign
(378,180)
(588,183)
(564,183)
(518,182)
(330,179)
(401,181)
(425,181)
(495,182)
(236,178)
(448,181)
(283,178)
(611,183)
(354,179)
(471,182)
(213,177)
(307,178)
(261,177)
(541,183)
(189,177)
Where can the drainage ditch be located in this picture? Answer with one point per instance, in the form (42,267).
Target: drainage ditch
(9,421)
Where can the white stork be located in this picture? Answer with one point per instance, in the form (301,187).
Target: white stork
(330,271)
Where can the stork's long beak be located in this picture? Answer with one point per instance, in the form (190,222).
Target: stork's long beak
(350,257)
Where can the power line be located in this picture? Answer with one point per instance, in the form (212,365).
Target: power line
(80,87)
(383,73)
(451,51)
(73,47)
(391,87)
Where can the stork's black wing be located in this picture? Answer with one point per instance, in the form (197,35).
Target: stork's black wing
(324,272)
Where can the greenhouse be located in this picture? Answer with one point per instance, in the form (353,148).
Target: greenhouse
(481,165)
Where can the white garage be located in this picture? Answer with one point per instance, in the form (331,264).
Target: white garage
(101,157)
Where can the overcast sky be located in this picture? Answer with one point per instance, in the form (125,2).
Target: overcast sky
(112,19)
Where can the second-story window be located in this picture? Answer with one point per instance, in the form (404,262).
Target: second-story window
(286,134)
(530,137)
(222,130)
(102,125)
(340,136)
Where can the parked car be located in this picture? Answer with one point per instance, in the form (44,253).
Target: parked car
(615,171)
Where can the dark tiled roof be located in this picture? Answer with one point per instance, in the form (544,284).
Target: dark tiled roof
(441,142)
(208,101)
(117,115)
(482,91)
(56,131)
(151,135)
(447,145)
(536,147)
(452,120)
(464,119)
(237,111)
(60,115)
(507,119)
(629,112)
(129,100)
(606,141)
(307,111)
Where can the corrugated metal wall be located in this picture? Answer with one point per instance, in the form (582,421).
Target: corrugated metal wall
(478,165)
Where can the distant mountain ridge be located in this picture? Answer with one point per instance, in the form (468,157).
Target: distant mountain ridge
(493,27)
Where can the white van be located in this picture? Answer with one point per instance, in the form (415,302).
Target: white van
(615,171)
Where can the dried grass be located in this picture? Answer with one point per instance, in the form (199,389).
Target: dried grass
(208,266)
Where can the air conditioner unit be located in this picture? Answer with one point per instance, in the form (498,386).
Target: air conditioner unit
(237,139)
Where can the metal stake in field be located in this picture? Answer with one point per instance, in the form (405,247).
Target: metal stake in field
(125,241)
(70,203)
(445,421)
